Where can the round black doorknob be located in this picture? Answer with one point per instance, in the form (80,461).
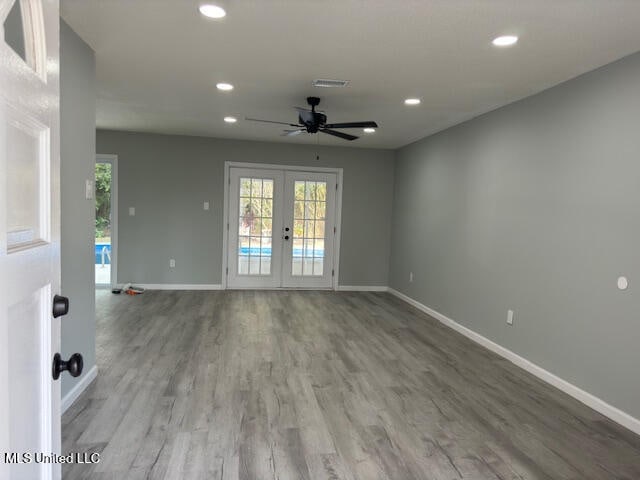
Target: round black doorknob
(74,365)
(286,229)
(286,237)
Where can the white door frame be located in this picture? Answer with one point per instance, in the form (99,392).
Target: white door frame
(269,166)
(113,160)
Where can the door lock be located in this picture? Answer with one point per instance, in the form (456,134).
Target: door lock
(60,306)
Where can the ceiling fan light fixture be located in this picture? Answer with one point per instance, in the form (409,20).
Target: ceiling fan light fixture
(225,87)
(412,101)
(505,41)
(212,11)
(369,130)
(230,119)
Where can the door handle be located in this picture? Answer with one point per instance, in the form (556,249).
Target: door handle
(286,237)
(60,306)
(73,365)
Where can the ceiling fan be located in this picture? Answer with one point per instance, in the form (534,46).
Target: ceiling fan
(311,121)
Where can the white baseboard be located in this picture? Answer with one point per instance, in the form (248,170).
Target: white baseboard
(178,286)
(362,288)
(588,399)
(78,388)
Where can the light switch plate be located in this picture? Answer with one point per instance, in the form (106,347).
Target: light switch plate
(132,211)
(88,189)
(509,317)
(206,205)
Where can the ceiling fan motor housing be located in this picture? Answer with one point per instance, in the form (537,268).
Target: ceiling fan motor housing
(319,119)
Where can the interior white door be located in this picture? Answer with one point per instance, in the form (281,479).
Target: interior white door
(309,224)
(29,235)
(255,227)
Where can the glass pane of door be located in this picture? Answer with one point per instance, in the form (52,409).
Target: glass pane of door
(309,210)
(103,187)
(255,226)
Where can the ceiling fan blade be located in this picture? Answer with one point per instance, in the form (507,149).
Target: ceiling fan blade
(291,133)
(305,115)
(271,121)
(352,125)
(346,136)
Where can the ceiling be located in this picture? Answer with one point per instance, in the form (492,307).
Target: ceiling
(158,61)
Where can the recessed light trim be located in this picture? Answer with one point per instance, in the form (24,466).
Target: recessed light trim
(212,11)
(505,41)
(412,101)
(369,130)
(225,87)
(230,119)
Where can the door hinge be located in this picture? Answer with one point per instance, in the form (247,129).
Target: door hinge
(334,230)
(333,273)
(227,225)
(336,186)
(227,270)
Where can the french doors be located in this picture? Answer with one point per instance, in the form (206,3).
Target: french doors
(282,228)
(29,237)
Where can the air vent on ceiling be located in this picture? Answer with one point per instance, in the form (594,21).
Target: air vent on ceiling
(325,82)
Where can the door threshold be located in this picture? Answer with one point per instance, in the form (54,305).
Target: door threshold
(310,289)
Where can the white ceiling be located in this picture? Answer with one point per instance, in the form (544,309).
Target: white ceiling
(158,60)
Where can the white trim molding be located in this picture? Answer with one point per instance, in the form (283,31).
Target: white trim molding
(178,286)
(587,398)
(362,288)
(73,394)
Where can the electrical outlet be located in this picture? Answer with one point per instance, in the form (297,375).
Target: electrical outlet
(132,211)
(206,205)
(410,276)
(509,317)
(172,263)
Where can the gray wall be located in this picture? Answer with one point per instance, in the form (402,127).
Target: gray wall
(535,207)
(77,152)
(168,177)
(13,31)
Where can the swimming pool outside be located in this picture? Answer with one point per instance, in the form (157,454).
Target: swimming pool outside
(266,252)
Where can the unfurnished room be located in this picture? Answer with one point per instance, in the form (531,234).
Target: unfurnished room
(319,240)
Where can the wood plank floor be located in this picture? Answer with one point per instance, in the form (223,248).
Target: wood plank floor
(320,385)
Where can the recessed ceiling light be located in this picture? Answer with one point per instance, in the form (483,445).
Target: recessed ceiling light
(412,101)
(505,41)
(230,119)
(369,130)
(224,86)
(212,11)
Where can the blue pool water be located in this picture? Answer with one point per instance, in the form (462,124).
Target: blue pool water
(98,253)
(266,252)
